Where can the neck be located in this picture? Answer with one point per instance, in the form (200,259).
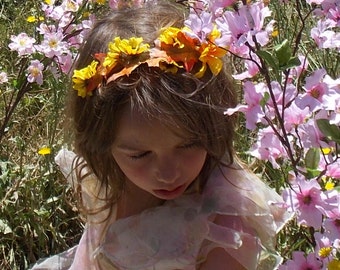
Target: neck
(134,201)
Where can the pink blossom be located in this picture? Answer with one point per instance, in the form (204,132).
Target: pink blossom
(239,28)
(268,147)
(65,62)
(313,82)
(334,14)
(333,170)
(23,44)
(44,28)
(332,224)
(322,242)
(217,6)
(253,94)
(3,77)
(305,197)
(70,5)
(84,27)
(332,99)
(315,89)
(201,25)
(282,97)
(297,71)
(35,72)
(294,116)
(302,262)
(53,12)
(251,69)
(310,135)
(323,36)
(53,44)
(330,9)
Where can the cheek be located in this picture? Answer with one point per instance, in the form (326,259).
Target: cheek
(131,169)
(195,162)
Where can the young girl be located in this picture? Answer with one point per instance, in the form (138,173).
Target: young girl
(154,166)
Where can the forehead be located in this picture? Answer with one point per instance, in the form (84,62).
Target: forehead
(134,126)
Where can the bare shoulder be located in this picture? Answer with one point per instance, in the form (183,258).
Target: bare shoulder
(218,258)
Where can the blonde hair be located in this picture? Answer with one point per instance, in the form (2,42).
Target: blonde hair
(195,105)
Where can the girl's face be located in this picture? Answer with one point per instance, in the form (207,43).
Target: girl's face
(159,160)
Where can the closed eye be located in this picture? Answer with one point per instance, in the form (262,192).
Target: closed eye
(139,156)
(190,145)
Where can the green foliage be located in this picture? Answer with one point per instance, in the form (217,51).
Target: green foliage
(38,216)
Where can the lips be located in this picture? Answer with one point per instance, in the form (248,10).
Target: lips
(170,194)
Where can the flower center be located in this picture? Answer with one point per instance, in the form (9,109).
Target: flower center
(307,199)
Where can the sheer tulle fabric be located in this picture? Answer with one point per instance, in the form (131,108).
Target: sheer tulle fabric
(181,233)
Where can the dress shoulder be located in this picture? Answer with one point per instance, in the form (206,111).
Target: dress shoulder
(71,166)
(252,209)
(181,233)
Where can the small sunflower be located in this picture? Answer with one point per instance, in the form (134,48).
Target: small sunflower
(124,51)
(86,79)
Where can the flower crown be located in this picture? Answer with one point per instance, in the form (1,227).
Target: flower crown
(175,49)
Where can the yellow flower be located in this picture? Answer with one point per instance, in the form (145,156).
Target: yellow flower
(214,34)
(84,80)
(275,33)
(169,36)
(33,19)
(324,252)
(86,14)
(334,265)
(100,2)
(329,185)
(328,182)
(121,49)
(211,56)
(326,150)
(44,151)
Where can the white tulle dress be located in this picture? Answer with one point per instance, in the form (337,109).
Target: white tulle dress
(179,234)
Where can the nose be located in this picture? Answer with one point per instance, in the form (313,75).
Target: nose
(167,170)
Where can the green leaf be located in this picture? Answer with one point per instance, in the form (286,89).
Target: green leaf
(268,58)
(283,53)
(312,158)
(293,62)
(264,100)
(312,173)
(330,131)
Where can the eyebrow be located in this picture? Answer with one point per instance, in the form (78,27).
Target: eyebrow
(126,146)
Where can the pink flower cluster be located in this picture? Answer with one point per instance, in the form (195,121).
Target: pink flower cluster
(325,34)
(294,111)
(61,32)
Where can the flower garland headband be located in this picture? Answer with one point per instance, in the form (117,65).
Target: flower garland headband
(174,49)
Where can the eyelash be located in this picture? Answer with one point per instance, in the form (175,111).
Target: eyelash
(190,145)
(144,154)
(134,157)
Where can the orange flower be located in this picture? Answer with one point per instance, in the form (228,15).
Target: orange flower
(211,55)
(180,47)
